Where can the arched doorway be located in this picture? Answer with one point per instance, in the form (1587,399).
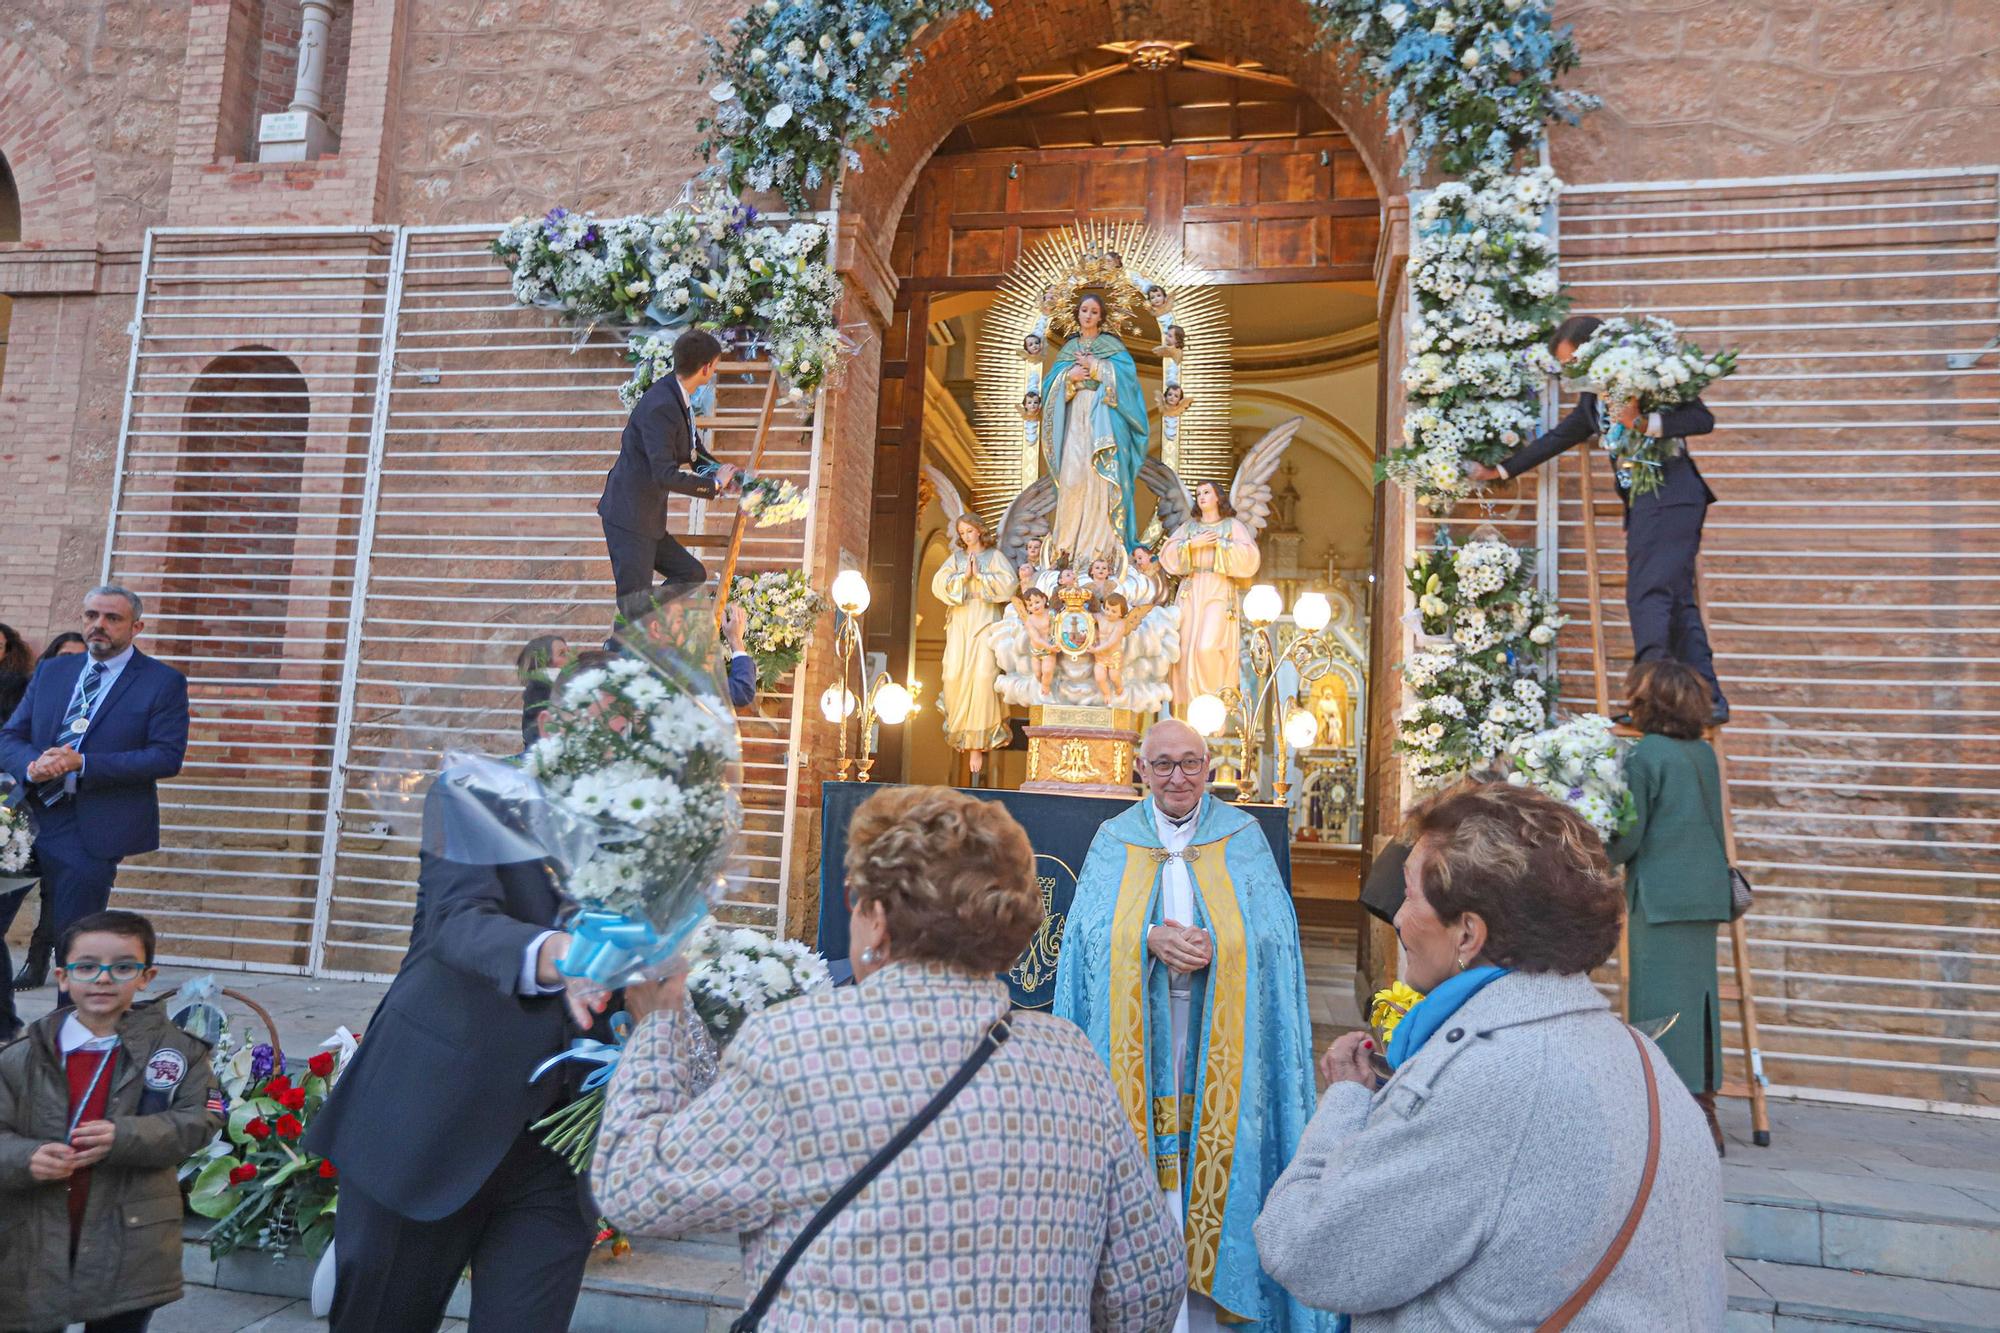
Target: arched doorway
(1248,164)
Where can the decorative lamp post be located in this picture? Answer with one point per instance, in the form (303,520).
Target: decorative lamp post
(1311,614)
(851,596)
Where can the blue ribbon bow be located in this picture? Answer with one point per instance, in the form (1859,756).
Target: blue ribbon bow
(587,1050)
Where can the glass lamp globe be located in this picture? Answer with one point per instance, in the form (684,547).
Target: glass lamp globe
(1207,714)
(850,591)
(1301,729)
(1262,604)
(893,703)
(1313,612)
(836,703)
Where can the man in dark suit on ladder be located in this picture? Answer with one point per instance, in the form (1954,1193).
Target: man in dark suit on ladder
(94,734)
(660,455)
(1662,527)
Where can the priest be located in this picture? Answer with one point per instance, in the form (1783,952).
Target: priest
(1180,960)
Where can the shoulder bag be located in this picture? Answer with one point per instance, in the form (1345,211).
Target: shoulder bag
(1739,883)
(1581,1296)
(760,1305)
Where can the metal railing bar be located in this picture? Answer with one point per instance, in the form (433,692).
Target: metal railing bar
(1769,256)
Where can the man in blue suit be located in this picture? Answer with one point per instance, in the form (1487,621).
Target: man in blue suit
(94,734)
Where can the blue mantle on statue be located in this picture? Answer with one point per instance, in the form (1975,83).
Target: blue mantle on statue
(1059,827)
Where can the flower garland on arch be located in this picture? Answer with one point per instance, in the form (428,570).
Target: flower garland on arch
(709,263)
(1477,676)
(801,85)
(1471,83)
(1486,295)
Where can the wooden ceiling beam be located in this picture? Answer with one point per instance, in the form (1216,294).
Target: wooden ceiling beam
(1239,72)
(1042,94)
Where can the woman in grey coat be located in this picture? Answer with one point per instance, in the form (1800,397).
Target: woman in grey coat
(1481,1184)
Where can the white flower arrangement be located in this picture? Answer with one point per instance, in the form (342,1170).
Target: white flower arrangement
(782,608)
(17,839)
(1644,362)
(801,85)
(711,263)
(1486,294)
(1470,82)
(1580,763)
(653,767)
(734,973)
(1476,675)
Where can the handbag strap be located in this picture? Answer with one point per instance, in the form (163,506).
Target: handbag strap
(1581,1296)
(996,1037)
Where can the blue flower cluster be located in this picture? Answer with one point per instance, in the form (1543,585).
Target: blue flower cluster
(1471,83)
(799,86)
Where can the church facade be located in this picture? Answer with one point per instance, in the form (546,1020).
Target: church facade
(259,359)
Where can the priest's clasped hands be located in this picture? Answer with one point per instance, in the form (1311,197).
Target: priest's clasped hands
(1182,948)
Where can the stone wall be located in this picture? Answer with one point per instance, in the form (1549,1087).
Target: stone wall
(1763,88)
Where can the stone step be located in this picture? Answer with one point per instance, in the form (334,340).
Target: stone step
(1799,1298)
(693,1285)
(1942,1226)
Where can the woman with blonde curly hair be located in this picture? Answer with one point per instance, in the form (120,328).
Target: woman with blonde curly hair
(1023,1202)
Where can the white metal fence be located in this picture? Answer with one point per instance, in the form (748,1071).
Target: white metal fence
(1851,575)
(354,478)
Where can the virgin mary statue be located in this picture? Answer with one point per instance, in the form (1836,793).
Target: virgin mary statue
(1094,434)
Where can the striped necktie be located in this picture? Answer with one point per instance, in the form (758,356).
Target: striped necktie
(80,708)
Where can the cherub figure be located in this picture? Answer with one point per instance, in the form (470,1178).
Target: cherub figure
(1174,401)
(1158,300)
(1031,406)
(1108,661)
(1050,299)
(1033,605)
(1033,347)
(1100,578)
(1113,260)
(1172,343)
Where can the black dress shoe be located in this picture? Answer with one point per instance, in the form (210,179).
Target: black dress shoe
(34,973)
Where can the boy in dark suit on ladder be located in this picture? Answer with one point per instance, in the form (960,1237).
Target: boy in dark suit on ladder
(660,455)
(94,735)
(1662,527)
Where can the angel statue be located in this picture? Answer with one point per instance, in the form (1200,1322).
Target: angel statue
(975,585)
(1094,434)
(1212,546)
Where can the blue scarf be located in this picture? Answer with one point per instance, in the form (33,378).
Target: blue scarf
(1435,1010)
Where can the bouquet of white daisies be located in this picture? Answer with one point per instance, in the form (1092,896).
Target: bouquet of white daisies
(1581,764)
(643,754)
(1644,362)
(734,973)
(17,835)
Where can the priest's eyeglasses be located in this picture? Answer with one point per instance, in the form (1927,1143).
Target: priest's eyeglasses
(1193,765)
(92,970)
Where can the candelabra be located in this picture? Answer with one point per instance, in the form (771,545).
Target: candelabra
(883,700)
(1299,729)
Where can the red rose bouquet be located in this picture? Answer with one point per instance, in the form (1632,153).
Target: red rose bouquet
(254,1179)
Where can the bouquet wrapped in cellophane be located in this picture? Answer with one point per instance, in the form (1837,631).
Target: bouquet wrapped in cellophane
(1644,362)
(633,790)
(17,835)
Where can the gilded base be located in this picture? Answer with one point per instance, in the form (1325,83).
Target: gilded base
(1081,750)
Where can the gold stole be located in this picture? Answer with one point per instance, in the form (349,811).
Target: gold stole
(1214,1150)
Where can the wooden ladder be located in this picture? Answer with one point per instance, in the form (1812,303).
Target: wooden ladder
(1740,990)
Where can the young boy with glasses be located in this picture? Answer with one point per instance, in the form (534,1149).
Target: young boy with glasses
(99,1104)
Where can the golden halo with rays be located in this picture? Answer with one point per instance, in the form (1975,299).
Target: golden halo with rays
(1117,262)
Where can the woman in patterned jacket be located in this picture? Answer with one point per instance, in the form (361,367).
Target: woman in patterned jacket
(1025,1205)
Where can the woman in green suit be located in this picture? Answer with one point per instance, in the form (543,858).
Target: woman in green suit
(1677,873)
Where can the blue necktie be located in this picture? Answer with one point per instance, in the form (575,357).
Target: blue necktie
(80,707)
